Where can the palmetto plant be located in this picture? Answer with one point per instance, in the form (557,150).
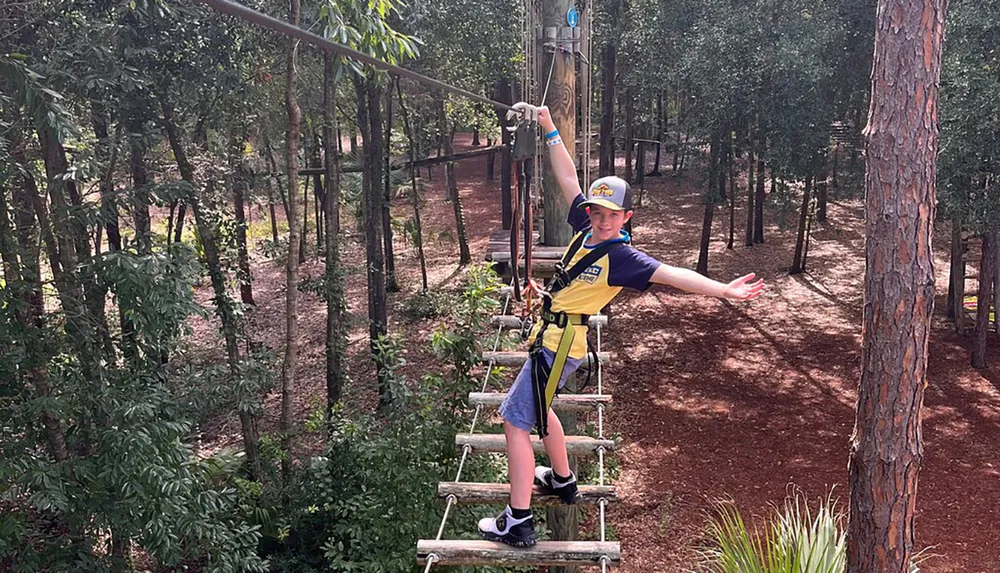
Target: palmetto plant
(795,539)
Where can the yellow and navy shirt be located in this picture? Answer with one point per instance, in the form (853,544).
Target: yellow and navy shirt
(598,284)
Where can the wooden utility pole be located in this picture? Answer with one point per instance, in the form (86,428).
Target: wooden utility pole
(901,144)
(561,99)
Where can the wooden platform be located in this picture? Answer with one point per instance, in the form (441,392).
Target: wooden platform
(580,553)
(543,258)
(575,445)
(561,403)
(469,492)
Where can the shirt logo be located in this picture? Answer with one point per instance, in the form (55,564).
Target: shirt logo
(602,190)
(590,275)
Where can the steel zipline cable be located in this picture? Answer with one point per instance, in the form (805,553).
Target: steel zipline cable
(263,20)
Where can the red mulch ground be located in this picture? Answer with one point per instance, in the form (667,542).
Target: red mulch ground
(739,401)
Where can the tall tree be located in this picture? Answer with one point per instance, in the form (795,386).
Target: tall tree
(902,145)
(336,331)
(292,139)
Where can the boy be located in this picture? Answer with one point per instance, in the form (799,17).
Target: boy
(601,262)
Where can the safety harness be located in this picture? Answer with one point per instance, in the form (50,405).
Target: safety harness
(544,377)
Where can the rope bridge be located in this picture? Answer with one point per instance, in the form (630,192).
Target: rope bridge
(601,553)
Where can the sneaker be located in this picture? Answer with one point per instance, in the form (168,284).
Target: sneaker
(546,478)
(505,529)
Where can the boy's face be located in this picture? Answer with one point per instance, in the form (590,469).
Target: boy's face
(606,223)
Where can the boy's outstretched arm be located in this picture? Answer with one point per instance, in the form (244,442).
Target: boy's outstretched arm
(743,288)
(562,164)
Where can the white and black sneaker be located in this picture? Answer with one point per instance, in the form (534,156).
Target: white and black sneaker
(506,529)
(549,483)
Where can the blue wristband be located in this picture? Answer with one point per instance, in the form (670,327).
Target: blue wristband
(552,134)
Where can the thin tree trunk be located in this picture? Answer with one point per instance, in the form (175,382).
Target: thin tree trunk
(293,137)
(25,278)
(730,160)
(391,284)
(293,187)
(629,134)
(318,192)
(505,94)
(465,256)
(606,160)
(223,303)
(240,184)
(367,94)
(984,301)
(710,197)
(336,331)
(956,271)
(140,182)
(758,204)
(179,222)
(821,191)
(415,194)
(659,133)
(902,146)
(799,261)
(751,169)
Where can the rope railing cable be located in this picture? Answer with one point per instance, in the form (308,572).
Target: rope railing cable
(263,20)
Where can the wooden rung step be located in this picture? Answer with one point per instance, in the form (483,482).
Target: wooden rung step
(538,253)
(510,321)
(468,492)
(575,445)
(543,553)
(561,403)
(518,358)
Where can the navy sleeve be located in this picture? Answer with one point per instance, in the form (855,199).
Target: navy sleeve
(631,268)
(578,218)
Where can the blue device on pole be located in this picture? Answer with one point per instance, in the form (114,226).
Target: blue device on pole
(572,17)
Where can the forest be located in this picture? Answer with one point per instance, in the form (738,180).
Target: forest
(249,283)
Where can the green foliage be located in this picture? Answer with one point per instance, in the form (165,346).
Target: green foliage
(794,539)
(131,471)
(360,505)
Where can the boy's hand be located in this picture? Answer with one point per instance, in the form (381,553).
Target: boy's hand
(534,289)
(743,289)
(545,119)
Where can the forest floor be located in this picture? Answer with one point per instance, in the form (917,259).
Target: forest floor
(712,400)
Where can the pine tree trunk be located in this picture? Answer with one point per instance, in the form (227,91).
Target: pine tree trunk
(984,301)
(293,138)
(372,210)
(319,194)
(475,137)
(336,327)
(902,146)
(606,160)
(414,193)
(799,261)
(391,284)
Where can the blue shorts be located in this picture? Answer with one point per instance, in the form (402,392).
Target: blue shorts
(518,407)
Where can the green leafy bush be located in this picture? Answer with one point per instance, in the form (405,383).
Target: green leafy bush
(793,540)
